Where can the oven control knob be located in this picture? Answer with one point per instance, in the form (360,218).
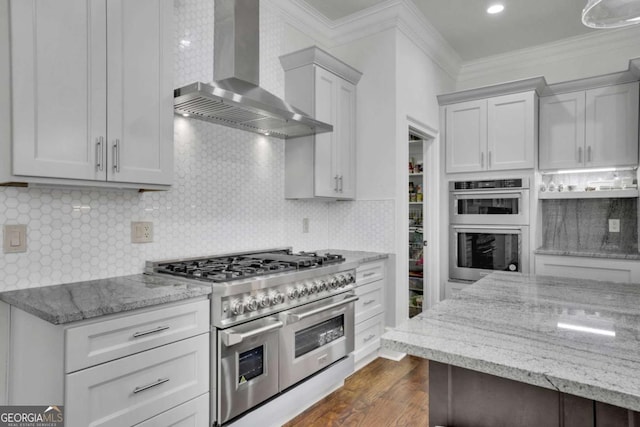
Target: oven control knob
(277,298)
(342,281)
(322,285)
(251,304)
(265,301)
(350,278)
(237,307)
(293,293)
(314,288)
(333,283)
(303,291)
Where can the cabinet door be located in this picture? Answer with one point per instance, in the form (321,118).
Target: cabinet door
(59,88)
(511,128)
(346,139)
(466,136)
(326,173)
(140,95)
(562,131)
(612,126)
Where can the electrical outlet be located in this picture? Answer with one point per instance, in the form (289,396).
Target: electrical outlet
(614,226)
(141,232)
(305,225)
(15,238)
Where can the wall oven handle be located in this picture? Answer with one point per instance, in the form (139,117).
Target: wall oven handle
(291,317)
(231,337)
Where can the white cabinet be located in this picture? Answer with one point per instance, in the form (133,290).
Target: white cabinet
(116,370)
(369,311)
(92,91)
(592,128)
(497,133)
(323,165)
(606,269)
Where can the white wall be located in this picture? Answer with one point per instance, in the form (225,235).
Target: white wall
(598,53)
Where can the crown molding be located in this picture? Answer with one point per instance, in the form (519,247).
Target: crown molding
(537,84)
(587,45)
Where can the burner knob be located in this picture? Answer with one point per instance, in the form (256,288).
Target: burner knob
(293,293)
(350,278)
(314,288)
(333,283)
(237,307)
(277,298)
(265,301)
(251,304)
(342,281)
(322,284)
(302,291)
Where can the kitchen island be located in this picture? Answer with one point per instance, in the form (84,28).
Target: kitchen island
(522,350)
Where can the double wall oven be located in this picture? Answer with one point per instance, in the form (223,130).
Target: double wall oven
(277,317)
(489,223)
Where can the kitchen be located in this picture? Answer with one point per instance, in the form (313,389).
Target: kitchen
(228,191)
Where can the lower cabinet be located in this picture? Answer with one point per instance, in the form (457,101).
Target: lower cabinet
(369,311)
(192,413)
(613,270)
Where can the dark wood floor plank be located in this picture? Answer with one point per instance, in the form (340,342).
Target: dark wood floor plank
(383,393)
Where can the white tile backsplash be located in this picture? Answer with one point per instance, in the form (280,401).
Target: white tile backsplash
(228,192)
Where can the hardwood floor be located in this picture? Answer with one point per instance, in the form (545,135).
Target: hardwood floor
(383,393)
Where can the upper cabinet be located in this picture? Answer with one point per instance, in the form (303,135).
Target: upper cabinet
(494,133)
(92,92)
(322,165)
(592,128)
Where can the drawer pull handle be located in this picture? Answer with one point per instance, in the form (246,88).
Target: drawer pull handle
(148,386)
(150,331)
(371,301)
(369,338)
(369,274)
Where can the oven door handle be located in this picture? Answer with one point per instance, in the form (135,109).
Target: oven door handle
(296,317)
(231,337)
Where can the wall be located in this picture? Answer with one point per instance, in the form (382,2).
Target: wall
(594,54)
(228,193)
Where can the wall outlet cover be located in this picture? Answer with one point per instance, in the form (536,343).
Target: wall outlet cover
(141,232)
(614,226)
(15,238)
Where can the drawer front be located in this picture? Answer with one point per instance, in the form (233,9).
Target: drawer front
(369,272)
(135,388)
(368,335)
(106,340)
(194,413)
(371,300)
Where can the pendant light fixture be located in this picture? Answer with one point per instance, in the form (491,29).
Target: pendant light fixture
(611,13)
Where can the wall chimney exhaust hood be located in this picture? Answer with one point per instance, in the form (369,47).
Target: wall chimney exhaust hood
(236,99)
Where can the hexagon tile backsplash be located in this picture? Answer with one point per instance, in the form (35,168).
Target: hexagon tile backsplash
(228,192)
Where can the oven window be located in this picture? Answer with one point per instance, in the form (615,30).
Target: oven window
(489,206)
(318,335)
(489,251)
(250,364)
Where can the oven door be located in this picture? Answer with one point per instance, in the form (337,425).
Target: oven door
(248,366)
(500,207)
(478,251)
(314,336)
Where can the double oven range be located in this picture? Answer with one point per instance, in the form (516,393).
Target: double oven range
(489,223)
(277,318)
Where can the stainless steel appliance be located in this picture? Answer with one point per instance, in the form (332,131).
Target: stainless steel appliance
(489,227)
(498,201)
(278,317)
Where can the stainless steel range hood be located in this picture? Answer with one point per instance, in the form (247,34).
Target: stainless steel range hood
(236,99)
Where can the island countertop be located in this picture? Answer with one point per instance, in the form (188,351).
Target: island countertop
(579,337)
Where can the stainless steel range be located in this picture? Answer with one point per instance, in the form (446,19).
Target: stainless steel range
(278,318)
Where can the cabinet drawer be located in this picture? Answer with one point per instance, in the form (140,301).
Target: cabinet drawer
(371,300)
(102,341)
(369,272)
(368,335)
(194,413)
(135,388)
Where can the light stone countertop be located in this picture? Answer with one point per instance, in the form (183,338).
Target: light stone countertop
(608,255)
(71,302)
(515,326)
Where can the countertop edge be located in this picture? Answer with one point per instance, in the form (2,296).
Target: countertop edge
(598,255)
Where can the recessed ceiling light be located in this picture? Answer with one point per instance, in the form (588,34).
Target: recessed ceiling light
(185,115)
(495,8)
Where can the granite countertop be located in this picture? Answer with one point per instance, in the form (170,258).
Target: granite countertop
(85,300)
(356,256)
(523,328)
(610,255)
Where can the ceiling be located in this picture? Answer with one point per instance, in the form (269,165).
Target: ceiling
(473,33)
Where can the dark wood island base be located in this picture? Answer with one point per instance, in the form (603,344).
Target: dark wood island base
(460,397)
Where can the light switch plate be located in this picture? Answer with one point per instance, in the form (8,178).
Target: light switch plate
(15,238)
(141,232)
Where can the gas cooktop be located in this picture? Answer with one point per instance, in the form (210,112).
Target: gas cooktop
(245,265)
